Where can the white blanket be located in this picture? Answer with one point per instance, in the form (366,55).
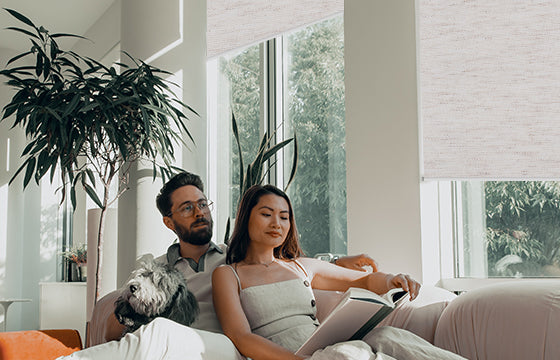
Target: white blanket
(350,350)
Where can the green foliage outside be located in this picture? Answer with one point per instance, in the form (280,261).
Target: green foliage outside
(317,114)
(314,112)
(523,222)
(243,73)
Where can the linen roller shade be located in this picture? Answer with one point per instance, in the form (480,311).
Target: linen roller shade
(489,75)
(232,24)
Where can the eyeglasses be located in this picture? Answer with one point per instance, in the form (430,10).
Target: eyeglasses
(187,210)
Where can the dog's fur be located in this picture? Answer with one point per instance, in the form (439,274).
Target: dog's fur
(155,290)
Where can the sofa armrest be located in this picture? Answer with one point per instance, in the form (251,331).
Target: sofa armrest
(103,326)
(509,320)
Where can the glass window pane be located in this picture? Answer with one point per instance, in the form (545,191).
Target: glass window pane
(314,110)
(510,228)
(241,77)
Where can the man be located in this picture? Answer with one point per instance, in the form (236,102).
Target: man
(186,212)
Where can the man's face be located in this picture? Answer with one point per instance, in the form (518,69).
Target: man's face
(194,227)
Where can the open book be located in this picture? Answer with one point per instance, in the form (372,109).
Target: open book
(355,315)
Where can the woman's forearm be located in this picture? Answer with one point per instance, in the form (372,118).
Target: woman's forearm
(377,282)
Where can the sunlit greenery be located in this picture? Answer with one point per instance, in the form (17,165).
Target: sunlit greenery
(523,224)
(317,113)
(314,111)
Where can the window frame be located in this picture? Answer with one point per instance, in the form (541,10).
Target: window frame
(274,65)
(445,199)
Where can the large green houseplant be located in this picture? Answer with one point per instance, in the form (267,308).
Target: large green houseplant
(89,121)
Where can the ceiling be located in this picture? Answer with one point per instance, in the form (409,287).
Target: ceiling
(66,16)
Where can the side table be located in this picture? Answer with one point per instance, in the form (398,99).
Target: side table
(6,304)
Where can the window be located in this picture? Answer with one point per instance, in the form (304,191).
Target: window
(293,84)
(507,228)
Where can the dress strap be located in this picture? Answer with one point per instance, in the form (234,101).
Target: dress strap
(236,276)
(301,267)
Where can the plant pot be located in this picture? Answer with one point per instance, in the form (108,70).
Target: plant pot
(72,272)
(82,272)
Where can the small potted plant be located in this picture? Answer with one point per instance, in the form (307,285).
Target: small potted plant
(76,258)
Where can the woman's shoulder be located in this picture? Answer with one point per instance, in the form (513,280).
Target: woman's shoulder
(223,270)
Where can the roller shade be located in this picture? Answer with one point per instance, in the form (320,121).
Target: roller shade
(233,24)
(489,79)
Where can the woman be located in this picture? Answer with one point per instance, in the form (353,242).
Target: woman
(264,298)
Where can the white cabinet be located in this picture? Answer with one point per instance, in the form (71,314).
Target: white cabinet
(63,306)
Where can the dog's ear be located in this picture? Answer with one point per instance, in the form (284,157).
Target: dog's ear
(185,309)
(126,315)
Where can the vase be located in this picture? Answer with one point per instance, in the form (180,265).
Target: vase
(72,271)
(82,272)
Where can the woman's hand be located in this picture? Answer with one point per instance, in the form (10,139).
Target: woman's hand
(405,282)
(357,262)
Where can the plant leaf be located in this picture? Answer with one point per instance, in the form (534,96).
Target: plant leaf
(29,171)
(226,235)
(92,194)
(26,32)
(20,17)
(294,164)
(57,35)
(241,166)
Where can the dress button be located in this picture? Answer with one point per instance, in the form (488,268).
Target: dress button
(306,283)
(313,302)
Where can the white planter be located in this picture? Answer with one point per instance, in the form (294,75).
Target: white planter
(108,278)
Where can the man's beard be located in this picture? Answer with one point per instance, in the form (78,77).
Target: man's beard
(200,236)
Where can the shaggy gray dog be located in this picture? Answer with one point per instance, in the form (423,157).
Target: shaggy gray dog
(155,290)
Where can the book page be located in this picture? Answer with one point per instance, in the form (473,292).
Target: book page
(356,308)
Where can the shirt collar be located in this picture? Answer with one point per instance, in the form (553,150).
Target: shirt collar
(174,252)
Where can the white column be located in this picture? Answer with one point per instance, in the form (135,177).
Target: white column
(382,133)
(170,35)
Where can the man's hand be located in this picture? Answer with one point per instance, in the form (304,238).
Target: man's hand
(357,262)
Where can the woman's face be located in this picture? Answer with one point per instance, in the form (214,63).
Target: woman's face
(269,222)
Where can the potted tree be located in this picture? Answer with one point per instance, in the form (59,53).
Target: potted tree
(89,121)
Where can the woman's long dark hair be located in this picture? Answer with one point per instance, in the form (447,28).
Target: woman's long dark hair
(239,241)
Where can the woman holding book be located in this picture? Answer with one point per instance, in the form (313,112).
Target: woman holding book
(264,298)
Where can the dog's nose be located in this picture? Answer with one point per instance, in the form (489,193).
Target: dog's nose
(133,288)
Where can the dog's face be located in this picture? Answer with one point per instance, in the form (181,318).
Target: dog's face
(151,288)
(155,290)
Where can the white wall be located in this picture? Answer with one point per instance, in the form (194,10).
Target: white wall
(382,132)
(23,263)
(172,36)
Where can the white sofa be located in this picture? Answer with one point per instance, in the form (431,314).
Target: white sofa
(514,320)
(511,320)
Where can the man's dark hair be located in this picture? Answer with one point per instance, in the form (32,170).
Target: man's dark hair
(163,200)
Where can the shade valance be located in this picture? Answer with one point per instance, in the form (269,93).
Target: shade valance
(233,24)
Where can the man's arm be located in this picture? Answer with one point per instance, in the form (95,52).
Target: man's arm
(356,262)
